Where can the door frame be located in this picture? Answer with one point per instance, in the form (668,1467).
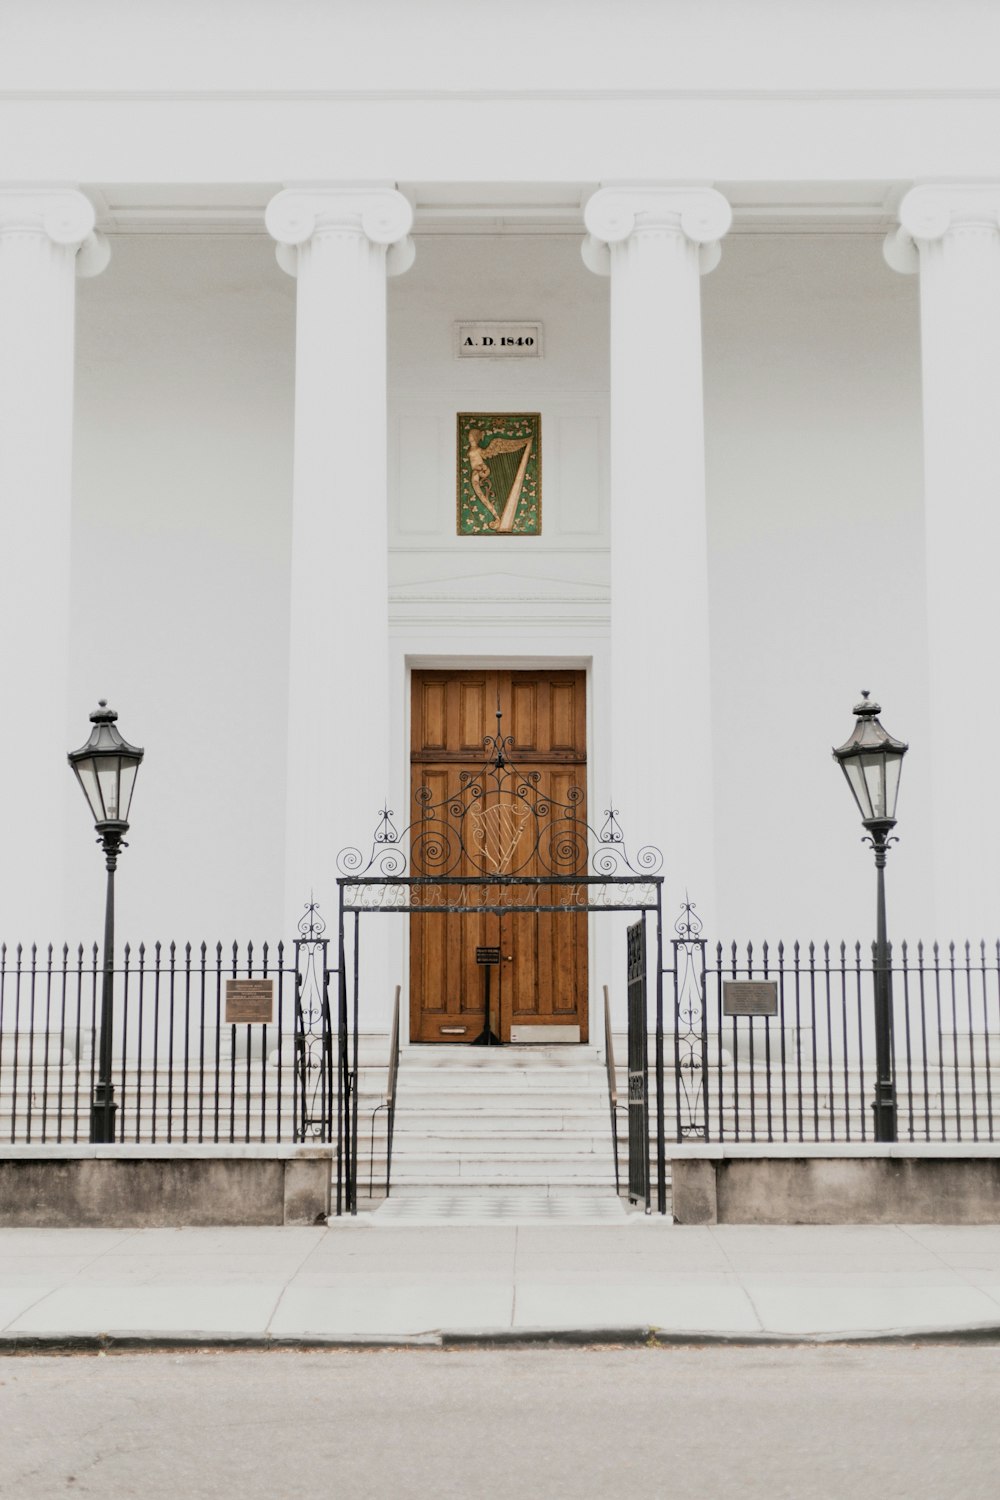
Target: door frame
(563,765)
(593,661)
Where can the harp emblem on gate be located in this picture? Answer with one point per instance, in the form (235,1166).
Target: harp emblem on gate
(496,830)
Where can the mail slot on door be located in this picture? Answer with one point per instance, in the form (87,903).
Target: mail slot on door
(749,997)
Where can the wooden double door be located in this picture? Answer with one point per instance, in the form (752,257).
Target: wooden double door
(541,979)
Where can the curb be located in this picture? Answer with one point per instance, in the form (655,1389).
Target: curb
(636,1336)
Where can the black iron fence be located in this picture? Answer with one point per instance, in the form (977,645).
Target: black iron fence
(182,1071)
(776,1043)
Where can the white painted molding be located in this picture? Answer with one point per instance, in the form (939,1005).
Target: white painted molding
(64,214)
(379,212)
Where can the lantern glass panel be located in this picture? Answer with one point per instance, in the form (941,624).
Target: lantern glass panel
(107,776)
(873,770)
(856,781)
(128,770)
(893,769)
(88,780)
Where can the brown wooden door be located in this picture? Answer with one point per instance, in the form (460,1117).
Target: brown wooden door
(542,976)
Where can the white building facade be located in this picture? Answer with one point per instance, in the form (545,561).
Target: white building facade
(762,244)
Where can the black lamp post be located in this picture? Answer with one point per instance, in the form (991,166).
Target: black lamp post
(872,761)
(106,767)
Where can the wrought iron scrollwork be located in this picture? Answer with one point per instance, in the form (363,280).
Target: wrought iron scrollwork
(499,822)
(690,1026)
(313,1030)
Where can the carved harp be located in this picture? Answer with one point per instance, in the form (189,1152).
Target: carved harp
(508,459)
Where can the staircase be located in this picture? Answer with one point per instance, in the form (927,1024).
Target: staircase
(518,1117)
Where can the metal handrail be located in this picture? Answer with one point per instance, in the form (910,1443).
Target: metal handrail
(609,1058)
(388,1103)
(390,1097)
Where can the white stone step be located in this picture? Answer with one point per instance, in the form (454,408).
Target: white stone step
(425,1206)
(532,1117)
(487,1145)
(523,1173)
(493,1123)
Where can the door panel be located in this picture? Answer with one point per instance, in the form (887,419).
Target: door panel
(544,954)
(542,978)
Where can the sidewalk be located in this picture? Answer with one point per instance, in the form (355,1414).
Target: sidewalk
(361,1281)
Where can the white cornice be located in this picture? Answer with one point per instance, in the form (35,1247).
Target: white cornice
(117,215)
(499,96)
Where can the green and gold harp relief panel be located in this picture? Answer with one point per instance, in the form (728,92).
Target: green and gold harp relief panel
(499,474)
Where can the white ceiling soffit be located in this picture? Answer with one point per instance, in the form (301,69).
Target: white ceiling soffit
(477,208)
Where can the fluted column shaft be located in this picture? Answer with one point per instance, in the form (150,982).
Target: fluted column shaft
(659,241)
(46,237)
(336,240)
(952,236)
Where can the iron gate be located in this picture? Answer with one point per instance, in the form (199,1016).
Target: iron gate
(577,868)
(638,1074)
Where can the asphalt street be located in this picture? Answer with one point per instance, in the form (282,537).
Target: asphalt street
(760,1423)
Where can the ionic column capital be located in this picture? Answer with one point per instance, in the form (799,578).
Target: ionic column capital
(934,210)
(379,212)
(613,214)
(64,216)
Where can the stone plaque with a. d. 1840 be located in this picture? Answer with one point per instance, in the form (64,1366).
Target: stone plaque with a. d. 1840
(249,1002)
(749,997)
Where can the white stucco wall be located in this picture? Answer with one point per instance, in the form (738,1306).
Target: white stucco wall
(180,556)
(812,382)
(182,516)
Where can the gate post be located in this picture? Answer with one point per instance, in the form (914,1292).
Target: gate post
(690,1027)
(313,1049)
(638,1068)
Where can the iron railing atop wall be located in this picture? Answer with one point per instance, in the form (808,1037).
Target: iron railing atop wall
(806,1073)
(181,1073)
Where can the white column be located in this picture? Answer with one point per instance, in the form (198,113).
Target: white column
(337,240)
(951,235)
(656,242)
(46,237)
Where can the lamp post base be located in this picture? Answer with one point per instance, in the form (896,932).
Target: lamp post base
(103,1112)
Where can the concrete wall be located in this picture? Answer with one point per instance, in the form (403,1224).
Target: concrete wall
(150,1187)
(901,1184)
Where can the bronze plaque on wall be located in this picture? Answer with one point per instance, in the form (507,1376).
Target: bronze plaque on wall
(249,1002)
(749,997)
